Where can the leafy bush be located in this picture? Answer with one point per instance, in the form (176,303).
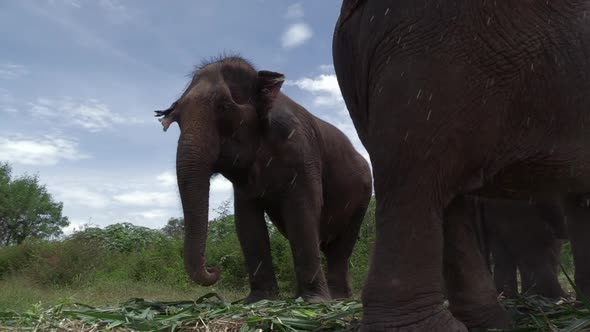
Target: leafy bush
(122,237)
(66,263)
(14,258)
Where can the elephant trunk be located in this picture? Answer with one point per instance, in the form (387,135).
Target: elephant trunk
(194,169)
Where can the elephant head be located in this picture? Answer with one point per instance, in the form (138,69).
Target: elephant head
(221,115)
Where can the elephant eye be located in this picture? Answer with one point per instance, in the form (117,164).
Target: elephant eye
(225,104)
(228,106)
(238,95)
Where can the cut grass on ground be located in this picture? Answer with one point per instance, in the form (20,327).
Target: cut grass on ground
(210,313)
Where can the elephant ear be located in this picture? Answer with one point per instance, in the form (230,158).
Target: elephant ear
(169,115)
(269,86)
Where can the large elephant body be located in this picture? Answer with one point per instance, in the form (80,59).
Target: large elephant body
(489,98)
(283,161)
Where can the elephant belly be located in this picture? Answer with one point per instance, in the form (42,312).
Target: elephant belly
(539,180)
(276,181)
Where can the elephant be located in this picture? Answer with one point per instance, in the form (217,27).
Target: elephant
(523,236)
(301,171)
(456,98)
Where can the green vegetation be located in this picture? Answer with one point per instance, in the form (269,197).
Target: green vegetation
(44,282)
(121,257)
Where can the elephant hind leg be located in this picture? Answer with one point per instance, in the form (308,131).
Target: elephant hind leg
(505,267)
(338,252)
(579,231)
(539,272)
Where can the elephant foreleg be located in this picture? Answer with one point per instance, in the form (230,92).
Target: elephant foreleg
(255,243)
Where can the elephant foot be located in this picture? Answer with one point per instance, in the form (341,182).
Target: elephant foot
(485,317)
(440,320)
(316,293)
(258,295)
(340,294)
(315,298)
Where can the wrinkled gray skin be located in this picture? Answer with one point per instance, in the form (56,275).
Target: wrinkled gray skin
(303,172)
(450,98)
(523,236)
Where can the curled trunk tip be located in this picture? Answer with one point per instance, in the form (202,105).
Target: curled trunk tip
(206,277)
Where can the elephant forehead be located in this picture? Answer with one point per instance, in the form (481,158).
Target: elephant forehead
(205,90)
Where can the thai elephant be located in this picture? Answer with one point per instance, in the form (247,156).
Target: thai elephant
(523,236)
(283,161)
(487,98)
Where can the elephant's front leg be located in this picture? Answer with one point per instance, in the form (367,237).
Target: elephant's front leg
(471,291)
(255,243)
(301,214)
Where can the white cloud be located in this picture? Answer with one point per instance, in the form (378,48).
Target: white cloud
(153,214)
(113,5)
(296,35)
(115,11)
(324,87)
(89,114)
(219,184)
(167,179)
(109,5)
(72,3)
(80,196)
(327,68)
(10,71)
(295,11)
(41,150)
(148,198)
(7,102)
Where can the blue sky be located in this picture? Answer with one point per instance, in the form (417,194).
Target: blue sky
(79,80)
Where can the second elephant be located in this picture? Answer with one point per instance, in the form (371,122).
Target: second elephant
(283,161)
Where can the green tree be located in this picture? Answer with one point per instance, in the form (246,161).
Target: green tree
(174,228)
(224,225)
(27,209)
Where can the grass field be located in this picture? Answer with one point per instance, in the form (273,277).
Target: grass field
(20,295)
(140,306)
